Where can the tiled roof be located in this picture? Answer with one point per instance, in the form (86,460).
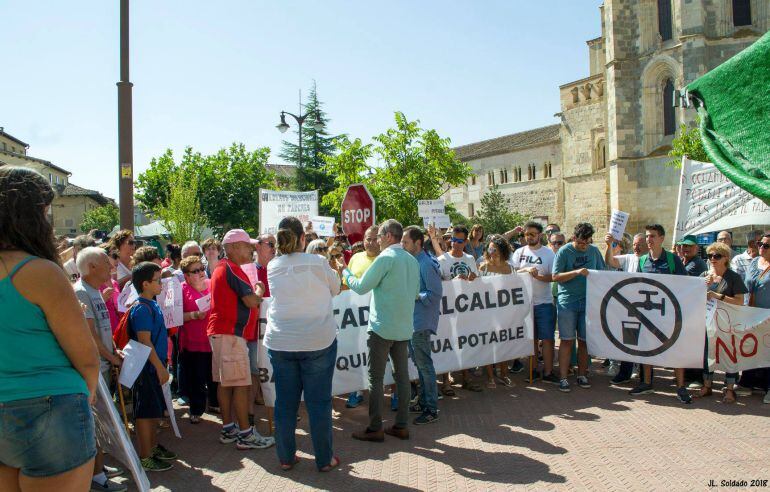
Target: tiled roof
(75,190)
(35,159)
(508,143)
(11,137)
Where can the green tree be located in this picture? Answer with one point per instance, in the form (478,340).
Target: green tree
(181,214)
(317,145)
(103,218)
(687,143)
(495,213)
(228,184)
(412,164)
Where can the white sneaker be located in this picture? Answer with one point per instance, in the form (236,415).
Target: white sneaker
(613,369)
(254,441)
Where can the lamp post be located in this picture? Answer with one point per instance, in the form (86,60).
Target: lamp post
(125,137)
(283,126)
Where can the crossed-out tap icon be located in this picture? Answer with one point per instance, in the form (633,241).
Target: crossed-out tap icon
(648,305)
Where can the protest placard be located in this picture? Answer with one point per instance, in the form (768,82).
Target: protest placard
(739,338)
(430,208)
(618,222)
(204,303)
(440,221)
(323,226)
(275,205)
(127,297)
(170,302)
(482,322)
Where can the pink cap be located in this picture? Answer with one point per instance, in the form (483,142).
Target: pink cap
(238,236)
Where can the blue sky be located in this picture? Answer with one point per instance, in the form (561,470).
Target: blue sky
(207,74)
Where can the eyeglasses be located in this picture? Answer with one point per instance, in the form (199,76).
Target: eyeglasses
(322,249)
(131,242)
(763,245)
(557,243)
(269,244)
(334,257)
(458,240)
(723,239)
(714,256)
(196,271)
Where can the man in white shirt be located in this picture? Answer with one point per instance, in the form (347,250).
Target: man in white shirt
(70,266)
(537,260)
(455,263)
(740,263)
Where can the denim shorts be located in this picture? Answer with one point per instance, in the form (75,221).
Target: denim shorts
(253,356)
(572,320)
(47,436)
(545,321)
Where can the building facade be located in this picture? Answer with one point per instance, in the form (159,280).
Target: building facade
(71,201)
(610,147)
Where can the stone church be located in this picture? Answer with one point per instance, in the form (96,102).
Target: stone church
(609,150)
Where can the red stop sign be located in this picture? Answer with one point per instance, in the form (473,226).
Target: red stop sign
(357,212)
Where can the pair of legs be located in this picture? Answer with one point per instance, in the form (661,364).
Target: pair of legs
(75,480)
(545,328)
(379,350)
(196,380)
(419,349)
(647,375)
(233,377)
(310,373)
(572,324)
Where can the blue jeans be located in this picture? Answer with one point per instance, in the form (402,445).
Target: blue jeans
(312,373)
(47,436)
(545,321)
(419,350)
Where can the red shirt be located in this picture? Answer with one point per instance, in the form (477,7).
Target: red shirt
(229,315)
(192,337)
(262,277)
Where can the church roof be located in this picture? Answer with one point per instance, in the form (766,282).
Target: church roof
(508,143)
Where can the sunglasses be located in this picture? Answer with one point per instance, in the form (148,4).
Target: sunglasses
(557,243)
(714,256)
(457,240)
(197,270)
(763,245)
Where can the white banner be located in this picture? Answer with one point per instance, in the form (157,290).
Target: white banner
(275,205)
(739,338)
(710,202)
(650,319)
(482,322)
(323,226)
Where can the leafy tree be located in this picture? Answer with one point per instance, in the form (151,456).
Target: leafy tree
(317,144)
(103,218)
(413,164)
(182,212)
(495,213)
(687,143)
(228,184)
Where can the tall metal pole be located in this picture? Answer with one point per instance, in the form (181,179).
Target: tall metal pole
(125,132)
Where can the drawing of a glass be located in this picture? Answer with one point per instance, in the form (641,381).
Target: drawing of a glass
(631,331)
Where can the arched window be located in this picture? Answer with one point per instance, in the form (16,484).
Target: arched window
(669,118)
(741,13)
(664,19)
(600,155)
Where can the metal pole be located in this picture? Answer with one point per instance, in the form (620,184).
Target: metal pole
(125,136)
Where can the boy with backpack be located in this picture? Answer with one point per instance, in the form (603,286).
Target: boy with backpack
(146,325)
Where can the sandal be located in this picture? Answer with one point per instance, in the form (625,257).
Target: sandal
(471,386)
(506,381)
(331,466)
(289,466)
(448,391)
(704,392)
(727,398)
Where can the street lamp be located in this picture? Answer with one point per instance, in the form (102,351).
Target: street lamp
(283,126)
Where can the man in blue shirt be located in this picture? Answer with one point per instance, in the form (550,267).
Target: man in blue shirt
(570,269)
(426,314)
(660,261)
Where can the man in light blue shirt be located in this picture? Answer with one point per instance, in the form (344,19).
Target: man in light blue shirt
(394,279)
(426,315)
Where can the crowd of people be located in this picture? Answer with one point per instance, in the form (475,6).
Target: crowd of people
(59,322)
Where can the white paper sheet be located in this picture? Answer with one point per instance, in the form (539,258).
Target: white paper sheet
(618,223)
(135,355)
(170,407)
(204,303)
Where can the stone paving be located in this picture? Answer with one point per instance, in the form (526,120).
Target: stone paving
(527,437)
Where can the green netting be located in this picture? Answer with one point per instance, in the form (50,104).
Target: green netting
(735,117)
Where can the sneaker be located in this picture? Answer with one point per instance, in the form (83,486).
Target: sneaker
(766,399)
(108,486)
(394,402)
(416,408)
(182,401)
(620,379)
(642,389)
(163,454)
(683,395)
(228,436)
(564,386)
(112,471)
(695,385)
(253,440)
(517,366)
(427,417)
(582,381)
(354,400)
(613,368)
(153,465)
(551,378)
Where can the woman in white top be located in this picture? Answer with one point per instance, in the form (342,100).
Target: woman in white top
(301,339)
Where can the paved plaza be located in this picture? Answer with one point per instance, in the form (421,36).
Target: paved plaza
(529,436)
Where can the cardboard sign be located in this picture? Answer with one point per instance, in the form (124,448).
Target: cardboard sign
(430,208)
(323,226)
(618,223)
(440,221)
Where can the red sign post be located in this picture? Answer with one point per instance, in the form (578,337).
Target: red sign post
(357,212)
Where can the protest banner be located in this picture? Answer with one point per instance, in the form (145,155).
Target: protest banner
(482,322)
(710,202)
(170,302)
(323,226)
(127,297)
(275,205)
(618,222)
(430,208)
(739,338)
(644,318)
